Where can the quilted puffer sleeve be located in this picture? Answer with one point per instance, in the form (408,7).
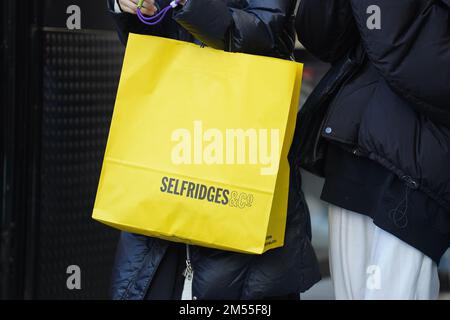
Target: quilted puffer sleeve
(262,27)
(412,50)
(326,28)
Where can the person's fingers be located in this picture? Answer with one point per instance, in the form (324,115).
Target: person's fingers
(130,6)
(148,12)
(148,7)
(128,9)
(148,3)
(127,5)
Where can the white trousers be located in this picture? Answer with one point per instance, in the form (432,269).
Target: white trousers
(367,262)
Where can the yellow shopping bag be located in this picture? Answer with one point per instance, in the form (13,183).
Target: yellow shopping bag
(197,150)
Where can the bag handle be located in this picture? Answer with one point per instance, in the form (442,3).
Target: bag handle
(157,18)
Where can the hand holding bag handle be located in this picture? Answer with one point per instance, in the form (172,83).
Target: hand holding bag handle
(158,17)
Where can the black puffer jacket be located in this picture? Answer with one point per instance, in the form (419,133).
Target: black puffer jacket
(396,109)
(264,27)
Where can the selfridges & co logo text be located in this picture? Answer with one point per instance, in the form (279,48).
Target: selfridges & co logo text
(212,194)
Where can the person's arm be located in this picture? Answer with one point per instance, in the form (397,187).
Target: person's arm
(411,50)
(326,28)
(124,15)
(259,28)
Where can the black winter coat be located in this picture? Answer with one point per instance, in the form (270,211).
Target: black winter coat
(396,109)
(264,27)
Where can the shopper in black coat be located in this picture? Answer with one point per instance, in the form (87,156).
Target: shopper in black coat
(148,268)
(383,145)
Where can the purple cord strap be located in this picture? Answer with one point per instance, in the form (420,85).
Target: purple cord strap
(157,18)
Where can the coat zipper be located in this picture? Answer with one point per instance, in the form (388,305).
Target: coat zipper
(325,120)
(356,68)
(188,272)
